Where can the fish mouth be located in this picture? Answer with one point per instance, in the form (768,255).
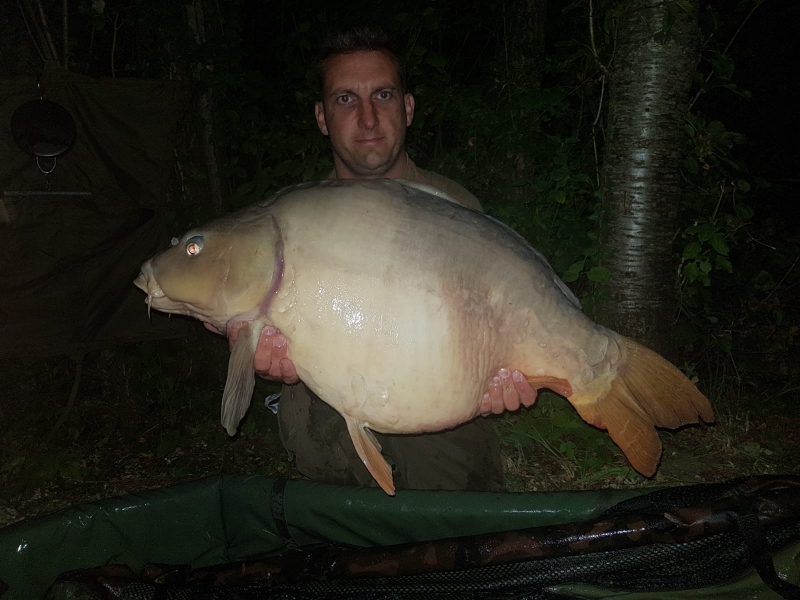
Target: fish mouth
(146,282)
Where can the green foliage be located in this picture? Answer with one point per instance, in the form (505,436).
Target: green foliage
(732,253)
(553,427)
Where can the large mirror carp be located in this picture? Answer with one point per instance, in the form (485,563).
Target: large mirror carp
(399,306)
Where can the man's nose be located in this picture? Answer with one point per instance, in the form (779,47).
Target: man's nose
(368,115)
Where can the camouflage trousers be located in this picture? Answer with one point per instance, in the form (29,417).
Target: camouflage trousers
(464,458)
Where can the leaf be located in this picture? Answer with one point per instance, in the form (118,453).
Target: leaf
(246,188)
(691,165)
(599,275)
(718,244)
(692,250)
(581,178)
(439,62)
(724,264)
(573,272)
(691,271)
(706,231)
(723,66)
(744,212)
(568,449)
(669,21)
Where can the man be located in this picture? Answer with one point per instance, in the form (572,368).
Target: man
(365,111)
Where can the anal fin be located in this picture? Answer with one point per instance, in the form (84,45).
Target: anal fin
(369,451)
(241,377)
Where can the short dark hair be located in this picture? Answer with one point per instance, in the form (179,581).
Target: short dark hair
(360,39)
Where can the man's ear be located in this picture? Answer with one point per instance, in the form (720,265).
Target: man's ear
(319,111)
(409,102)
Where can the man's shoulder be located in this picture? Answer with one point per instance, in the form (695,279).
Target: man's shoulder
(457,191)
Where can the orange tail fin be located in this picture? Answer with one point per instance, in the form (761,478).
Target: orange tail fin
(648,392)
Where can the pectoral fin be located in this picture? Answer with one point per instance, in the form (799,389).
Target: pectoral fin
(369,451)
(241,377)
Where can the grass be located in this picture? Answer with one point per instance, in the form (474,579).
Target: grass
(147,416)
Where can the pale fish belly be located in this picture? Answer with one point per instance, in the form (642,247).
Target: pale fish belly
(385,352)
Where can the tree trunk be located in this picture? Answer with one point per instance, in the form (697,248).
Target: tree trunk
(195,16)
(525,37)
(656,58)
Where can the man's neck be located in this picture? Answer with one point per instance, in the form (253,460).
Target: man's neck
(398,170)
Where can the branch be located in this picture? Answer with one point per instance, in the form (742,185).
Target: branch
(724,52)
(591,31)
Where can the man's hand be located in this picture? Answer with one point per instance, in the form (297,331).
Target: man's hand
(270,361)
(507,391)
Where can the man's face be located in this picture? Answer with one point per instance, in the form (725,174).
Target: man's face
(366,115)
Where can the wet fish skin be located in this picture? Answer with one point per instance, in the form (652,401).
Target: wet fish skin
(399,305)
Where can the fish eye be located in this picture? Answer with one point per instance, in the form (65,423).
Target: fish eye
(174,241)
(194,245)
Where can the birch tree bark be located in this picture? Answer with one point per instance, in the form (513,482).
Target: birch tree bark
(656,57)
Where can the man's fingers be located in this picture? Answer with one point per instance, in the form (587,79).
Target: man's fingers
(288,371)
(527,395)
(496,396)
(277,352)
(486,405)
(510,396)
(263,359)
(507,391)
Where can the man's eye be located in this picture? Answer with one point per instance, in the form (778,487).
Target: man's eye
(344,99)
(385,95)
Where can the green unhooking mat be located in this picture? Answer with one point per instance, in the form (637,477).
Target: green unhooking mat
(254,537)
